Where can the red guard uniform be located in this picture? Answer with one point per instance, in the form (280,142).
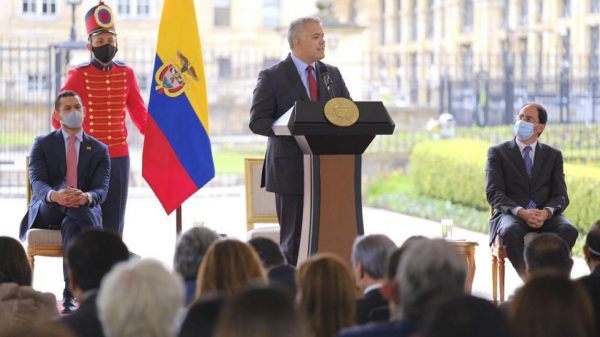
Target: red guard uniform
(108,90)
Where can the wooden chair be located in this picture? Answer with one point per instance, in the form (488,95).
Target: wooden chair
(498,256)
(260,204)
(42,242)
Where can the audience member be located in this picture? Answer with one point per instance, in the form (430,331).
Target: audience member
(140,298)
(551,305)
(548,252)
(326,294)
(369,254)
(19,303)
(466,316)
(278,270)
(190,249)
(202,317)
(390,288)
(261,312)
(90,256)
(591,282)
(429,272)
(227,266)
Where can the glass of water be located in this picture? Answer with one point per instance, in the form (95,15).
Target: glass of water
(446,225)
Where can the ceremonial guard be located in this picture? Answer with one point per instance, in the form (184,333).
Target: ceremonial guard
(108,89)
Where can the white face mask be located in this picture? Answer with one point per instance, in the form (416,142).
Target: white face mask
(73,119)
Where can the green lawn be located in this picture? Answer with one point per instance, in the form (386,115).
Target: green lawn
(227,162)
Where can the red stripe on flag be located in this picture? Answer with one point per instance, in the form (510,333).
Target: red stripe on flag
(163,171)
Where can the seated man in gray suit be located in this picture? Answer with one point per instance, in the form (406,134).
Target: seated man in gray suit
(69,172)
(525,185)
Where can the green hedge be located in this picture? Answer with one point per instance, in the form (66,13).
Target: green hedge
(455,170)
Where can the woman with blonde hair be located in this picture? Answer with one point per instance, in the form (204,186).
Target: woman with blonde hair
(228,266)
(326,294)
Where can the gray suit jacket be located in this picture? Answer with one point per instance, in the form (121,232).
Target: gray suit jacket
(277,89)
(508,186)
(48,168)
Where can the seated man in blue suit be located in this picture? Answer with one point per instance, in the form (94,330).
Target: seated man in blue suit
(69,172)
(525,185)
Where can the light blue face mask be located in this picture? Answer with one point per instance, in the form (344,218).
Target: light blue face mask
(73,119)
(523,130)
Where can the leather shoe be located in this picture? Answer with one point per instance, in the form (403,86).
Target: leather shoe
(68,304)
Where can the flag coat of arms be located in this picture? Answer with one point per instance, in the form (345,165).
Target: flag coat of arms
(177,158)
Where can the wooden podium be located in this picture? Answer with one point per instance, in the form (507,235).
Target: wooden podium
(332,215)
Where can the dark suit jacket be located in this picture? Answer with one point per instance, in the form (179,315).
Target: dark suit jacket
(508,186)
(48,169)
(592,284)
(84,321)
(276,91)
(387,329)
(372,307)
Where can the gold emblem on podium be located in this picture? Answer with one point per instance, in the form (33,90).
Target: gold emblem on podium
(341,111)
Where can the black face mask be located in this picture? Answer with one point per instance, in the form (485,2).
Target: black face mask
(104,53)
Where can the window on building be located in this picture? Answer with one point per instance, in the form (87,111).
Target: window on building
(271,13)
(124,7)
(594,52)
(398,21)
(467,62)
(524,12)
(38,7)
(505,9)
(467,18)
(414,79)
(414,19)
(398,74)
(566,8)
(540,59)
(382,23)
(430,18)
(540,10)
(595,6)
(523,58)
(224,65)
(38,82)
(143,7)
(222,13)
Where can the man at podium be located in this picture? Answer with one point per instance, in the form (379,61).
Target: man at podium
(299,77)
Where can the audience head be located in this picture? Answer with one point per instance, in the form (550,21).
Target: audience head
(551,305)
(591,249)
(14,265)
(202,317)
(91,255)
(548,251)
(326,294)
(260,312)
(269,252)
(466,316)
(139,298)
(429,271)
(369,254)
(228,266)
(51,329)
(190,250)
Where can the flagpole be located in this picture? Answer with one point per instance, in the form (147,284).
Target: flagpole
(178,221)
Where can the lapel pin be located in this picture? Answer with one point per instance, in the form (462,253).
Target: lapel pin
(89,148)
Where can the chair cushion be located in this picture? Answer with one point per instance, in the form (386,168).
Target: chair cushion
(37,236)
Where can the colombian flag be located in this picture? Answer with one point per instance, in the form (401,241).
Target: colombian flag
(177,158)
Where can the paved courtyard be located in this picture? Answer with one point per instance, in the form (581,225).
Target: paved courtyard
(149,232)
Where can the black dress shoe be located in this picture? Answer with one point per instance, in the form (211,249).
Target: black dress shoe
(68,304)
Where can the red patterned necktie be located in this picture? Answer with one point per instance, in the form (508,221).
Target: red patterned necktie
(72,163)
(312,84)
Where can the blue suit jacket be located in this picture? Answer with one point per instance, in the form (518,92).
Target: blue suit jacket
(508,186)
(399,328)
(277,89)
(48,169)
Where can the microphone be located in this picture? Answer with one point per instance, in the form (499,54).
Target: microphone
(327,80)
